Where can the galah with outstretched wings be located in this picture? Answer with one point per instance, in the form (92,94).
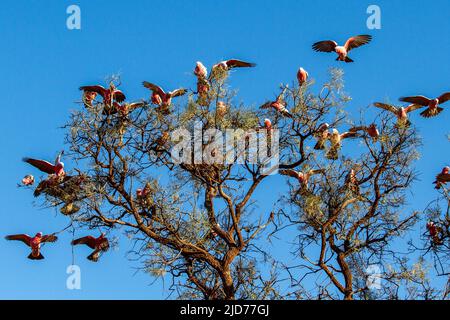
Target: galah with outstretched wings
(342,51)
(400,112)
(100,244)
(160,97)
(57,168)
(433,105)
(33,242)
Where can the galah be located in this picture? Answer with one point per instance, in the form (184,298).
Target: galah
(203,88)
(47,167)
(442,178)
(342,51)
(267,124)
(433,104)
(34,243)
(109,95)
(434,232)
(100,244)
(302,177)
(28,180)
(123,109)
(351,182)
(200,70)
(160,97)
(336,142)
(278,105)
(227,65)
(322,136)
(400,112)
(302,76)
(371,130)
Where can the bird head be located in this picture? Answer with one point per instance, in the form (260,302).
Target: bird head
(267,123)
(446,170)
(335,132)
(39,234)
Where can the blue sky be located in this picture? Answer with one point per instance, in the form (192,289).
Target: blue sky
(43,64)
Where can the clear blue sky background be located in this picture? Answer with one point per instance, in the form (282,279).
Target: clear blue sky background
(43,64)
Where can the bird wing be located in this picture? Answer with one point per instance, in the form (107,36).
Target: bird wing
(234,63)
(385,106)
(49,238)
(290,173)
(20,237)
(154,87)
(178,92)
(136,105)
(357,41)
(413,107)
(266,105)
(444,97)
(358,128)
(42,165)
(325,46)
(349,134)
(119,96)
(422,100)
(98,89)
(443,177)
(88,240)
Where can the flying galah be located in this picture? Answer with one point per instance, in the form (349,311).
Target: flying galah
(160,97)
(442,178)
(100,244)
(279,105)
(400,112)
(302,177)
(34,243)
(227,65)
(322,136)
(47,167)
(342,51)
(433,104)
(109,95)
(28,180)
(200,70)
(371,130)
(336,142)
(302,76)
(123,109)
(88,97)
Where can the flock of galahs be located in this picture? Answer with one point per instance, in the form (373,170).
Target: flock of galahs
(114,102)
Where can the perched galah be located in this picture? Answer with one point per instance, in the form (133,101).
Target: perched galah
(223,67)
(203,87)
(28,180)
(267,124)
(279,105)
(221,109)
(123,109)
(442,178)
(302,177)
(433,104)
(109,95)
(400,112)
(322,136)
(371,130)
(88,97)
(200,70)
(351,182)
(342,51)
(302,76)
(336,142)
(100,244)
(34,243)
(435,232)
(47,167)
(162,98)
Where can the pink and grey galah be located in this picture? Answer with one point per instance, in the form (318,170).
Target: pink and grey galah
(433,105)
(400,112)
(442,178)
(220,70)
(302,76)
(57,168)
(100,244)
(336,139)
(342,51)
(28,180)
(108,94)
(33,242)
(278,105)
(160,97)
(322,134)
(302,177)
(371,130)
(200,70)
